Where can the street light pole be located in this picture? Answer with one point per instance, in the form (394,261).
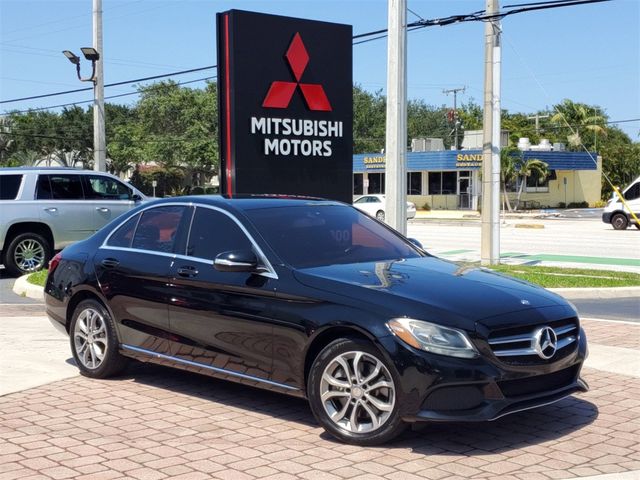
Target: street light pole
(99,141)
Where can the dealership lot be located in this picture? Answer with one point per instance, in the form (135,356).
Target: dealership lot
(158,423)
(154,423)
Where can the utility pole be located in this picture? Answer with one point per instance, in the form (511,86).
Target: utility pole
(537,118)
(455,111)
(490,231)
(99,142)
(396,141)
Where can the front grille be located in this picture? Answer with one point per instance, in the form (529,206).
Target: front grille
(538,384)
(519,346)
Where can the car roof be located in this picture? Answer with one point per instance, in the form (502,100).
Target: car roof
(48,169)
(251,202)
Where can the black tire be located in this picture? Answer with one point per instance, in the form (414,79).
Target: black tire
(380,215)
(620,221)
(637,225)
(27,253)
(100,338)
(390,427)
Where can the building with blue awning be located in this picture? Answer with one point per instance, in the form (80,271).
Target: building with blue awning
(449,179)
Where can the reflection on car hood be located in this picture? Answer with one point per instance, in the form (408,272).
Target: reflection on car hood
(430,289)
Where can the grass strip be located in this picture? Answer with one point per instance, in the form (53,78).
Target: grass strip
(38,278)
(558,277)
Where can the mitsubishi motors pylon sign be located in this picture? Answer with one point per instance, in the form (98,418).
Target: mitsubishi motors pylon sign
(285,104)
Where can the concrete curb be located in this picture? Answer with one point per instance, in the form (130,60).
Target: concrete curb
(594,293)
(25,289)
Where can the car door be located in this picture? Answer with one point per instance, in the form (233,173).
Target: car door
(220,320)
(108,197)
(132,268)
(62,207)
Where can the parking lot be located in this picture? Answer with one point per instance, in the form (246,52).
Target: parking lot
(154,422)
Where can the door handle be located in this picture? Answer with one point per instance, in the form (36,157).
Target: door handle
(110,263)
(51,209)
(187,271)
(102,209)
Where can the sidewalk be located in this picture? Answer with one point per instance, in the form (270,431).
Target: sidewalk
(156,423)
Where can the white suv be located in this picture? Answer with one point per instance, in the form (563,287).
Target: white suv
(46,209)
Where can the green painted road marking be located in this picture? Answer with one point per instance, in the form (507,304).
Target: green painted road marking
(455,252)
(512,254)
(581,259)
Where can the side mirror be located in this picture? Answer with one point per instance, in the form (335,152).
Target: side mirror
(416,243)
(136,197)
(236,261)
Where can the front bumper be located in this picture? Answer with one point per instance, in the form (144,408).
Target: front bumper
(447,389)
(606,217)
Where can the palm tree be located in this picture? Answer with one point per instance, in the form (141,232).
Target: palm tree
(5,138)
(579,117)
(525,169)
(26,158)
(508,172)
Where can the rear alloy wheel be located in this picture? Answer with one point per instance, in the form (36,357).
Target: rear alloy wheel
(380,215)
(93,341)
(353,393)
(27,253)
(620,221)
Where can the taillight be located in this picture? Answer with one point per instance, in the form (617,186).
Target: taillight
(53,264)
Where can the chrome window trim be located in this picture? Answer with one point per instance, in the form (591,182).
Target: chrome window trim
(271,273)
(207,367)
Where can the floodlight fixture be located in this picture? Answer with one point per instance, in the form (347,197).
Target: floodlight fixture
(73,58)
(90,54)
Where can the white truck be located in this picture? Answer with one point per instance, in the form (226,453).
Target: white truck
(619,215)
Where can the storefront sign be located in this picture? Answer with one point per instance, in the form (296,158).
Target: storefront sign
(469,160)
(285,103)
(371,163)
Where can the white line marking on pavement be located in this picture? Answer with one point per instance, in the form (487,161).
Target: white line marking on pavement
(625,322)
(634,475)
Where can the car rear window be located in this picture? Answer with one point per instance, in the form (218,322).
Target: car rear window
(9,186)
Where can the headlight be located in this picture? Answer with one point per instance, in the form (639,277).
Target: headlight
(432,338)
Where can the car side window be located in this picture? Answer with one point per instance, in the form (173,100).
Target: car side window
(362,200)
(59,187)
(123,236)
(9,186)
(633,192)
(158,228)
(106,188)
(212,233)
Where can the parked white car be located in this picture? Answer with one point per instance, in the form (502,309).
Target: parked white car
(44,209)
(617,214)
(374,205)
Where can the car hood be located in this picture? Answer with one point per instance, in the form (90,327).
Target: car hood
(430,288)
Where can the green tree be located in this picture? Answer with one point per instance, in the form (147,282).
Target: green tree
(508,173)
(369,113)
(583,123)
(526,168)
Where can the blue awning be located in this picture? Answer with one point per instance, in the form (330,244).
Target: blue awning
(471,160)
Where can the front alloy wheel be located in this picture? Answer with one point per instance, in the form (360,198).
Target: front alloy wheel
(357,392)
(353,393)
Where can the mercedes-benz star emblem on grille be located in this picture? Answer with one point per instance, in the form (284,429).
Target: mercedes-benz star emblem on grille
(545,342)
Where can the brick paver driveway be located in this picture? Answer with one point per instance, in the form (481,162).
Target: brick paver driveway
(157,423)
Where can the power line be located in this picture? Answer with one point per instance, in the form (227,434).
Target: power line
(382,33)
(125,82)
(106,98)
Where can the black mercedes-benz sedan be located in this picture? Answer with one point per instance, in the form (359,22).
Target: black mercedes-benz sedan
(315,299)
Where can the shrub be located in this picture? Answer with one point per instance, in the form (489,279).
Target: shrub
(578,205)
(426,206)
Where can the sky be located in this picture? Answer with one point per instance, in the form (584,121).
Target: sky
(588,53)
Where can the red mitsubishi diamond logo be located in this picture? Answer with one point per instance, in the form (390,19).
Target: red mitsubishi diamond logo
(281,93)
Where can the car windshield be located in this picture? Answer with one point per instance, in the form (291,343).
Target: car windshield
(322,234)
